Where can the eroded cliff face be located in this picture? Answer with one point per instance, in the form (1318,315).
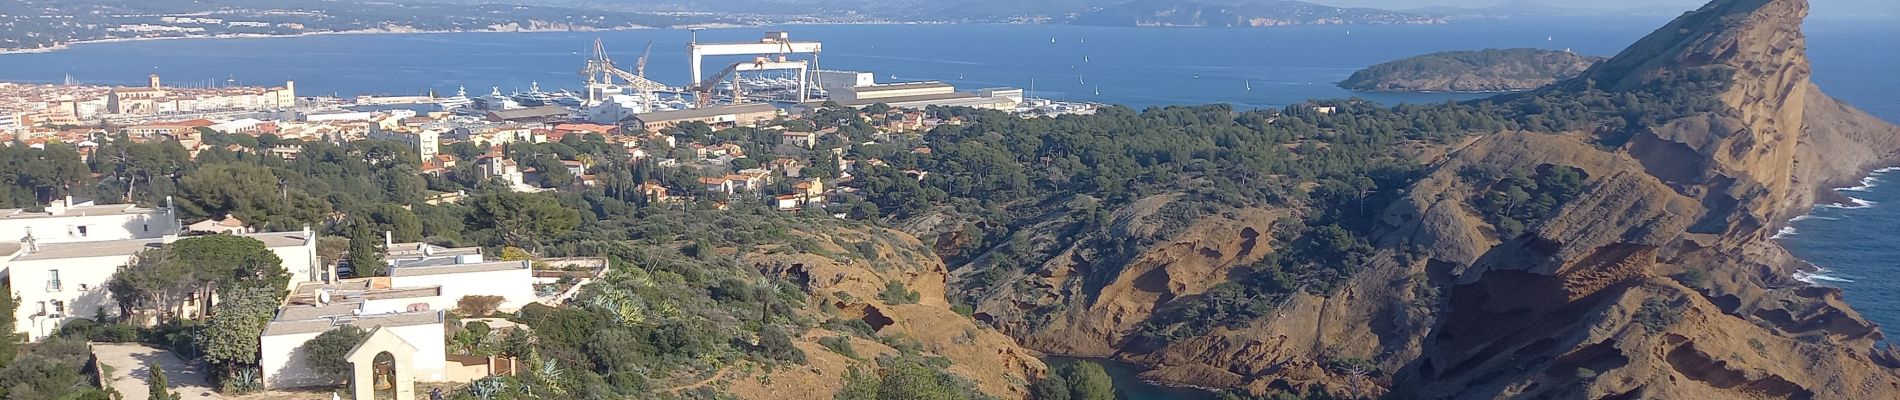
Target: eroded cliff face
(1074,304)
(1658,280)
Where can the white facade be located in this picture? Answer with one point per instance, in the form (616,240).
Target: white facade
(892,91)
(298,250)
(424,141)
(832,81)
(340,116)
(512,280)
(69,220)
(424,281)
(56,282)
(53,291)
(285,364)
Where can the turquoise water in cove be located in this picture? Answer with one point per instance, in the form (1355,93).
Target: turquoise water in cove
(1853,59)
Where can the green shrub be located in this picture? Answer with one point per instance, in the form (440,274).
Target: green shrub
(840,345)
(326,353)
(1657,315)
(848,325)
(895,293)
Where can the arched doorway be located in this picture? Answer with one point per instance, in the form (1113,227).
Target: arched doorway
(383,368)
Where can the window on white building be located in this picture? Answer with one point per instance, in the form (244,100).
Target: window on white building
(82,231)
(52,280)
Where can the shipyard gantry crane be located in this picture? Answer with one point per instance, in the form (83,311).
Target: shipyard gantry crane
(601,72)
(770,53)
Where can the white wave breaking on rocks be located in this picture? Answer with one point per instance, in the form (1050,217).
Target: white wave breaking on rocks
(1818,276)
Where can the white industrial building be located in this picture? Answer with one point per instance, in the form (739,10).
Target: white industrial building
(859,89)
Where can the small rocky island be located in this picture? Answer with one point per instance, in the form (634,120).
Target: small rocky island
(1489,70)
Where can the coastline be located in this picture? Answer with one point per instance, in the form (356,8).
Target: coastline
(70,45)
(1814,274)
(1435,91)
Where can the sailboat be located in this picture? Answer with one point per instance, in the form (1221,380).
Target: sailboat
(1098,90)
(1078,79)
(1085,59)
(1249,85)
(1052,40)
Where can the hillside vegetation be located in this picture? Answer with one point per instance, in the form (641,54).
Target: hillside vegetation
(1488,70)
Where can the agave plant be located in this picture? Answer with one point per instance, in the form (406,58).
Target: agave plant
(487,388)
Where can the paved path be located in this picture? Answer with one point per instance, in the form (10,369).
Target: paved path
(131,363)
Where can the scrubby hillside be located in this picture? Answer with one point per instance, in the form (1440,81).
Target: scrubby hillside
(756,304)
(1602,237)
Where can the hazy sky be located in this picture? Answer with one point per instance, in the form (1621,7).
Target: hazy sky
(1821,7)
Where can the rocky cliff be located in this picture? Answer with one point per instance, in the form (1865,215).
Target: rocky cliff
(1659,280)
(1489,70)
(1655,280)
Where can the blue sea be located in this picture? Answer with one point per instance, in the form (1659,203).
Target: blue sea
(1132,66)
(1853,60)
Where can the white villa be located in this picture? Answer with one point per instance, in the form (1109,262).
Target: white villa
(407,307)
(61,259)
(69,220)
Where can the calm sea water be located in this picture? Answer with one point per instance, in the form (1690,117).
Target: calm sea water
(1139,67)
(1853,60)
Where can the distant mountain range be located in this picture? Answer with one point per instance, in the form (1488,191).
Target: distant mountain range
(1089,12)
(1531,8)
(1256,13)
(45,24)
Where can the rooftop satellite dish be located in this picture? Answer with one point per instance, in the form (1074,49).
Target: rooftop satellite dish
(323,297)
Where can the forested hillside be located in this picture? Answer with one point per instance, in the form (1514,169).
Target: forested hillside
(1488,70)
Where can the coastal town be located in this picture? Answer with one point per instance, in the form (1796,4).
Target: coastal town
(464,134)
(505,216)
(768,132)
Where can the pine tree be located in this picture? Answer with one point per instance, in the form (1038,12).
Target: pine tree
(366,251)
(158,385)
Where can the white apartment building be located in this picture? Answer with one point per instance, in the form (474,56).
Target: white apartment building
(424,141)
